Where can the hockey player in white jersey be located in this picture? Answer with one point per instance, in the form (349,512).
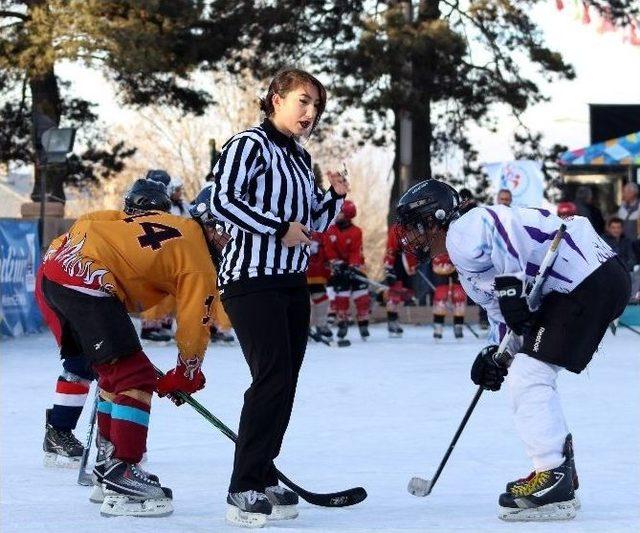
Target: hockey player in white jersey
(497,252)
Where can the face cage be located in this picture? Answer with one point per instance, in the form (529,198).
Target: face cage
(218,238)
(413,238)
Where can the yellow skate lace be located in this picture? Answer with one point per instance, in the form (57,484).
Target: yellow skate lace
(534,484)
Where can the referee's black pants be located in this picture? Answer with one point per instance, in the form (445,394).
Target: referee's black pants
(272,327)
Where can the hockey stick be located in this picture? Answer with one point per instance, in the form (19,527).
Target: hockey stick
(343,498)
(448,304)
(84,477)
(423,487)
(381,286)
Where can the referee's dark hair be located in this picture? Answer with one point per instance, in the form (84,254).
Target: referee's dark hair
(287,80)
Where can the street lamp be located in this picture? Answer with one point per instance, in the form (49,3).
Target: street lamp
(56,144)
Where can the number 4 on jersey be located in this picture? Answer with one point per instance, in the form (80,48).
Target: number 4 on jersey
(155,234)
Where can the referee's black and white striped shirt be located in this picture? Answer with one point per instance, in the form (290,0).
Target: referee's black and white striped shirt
(262,181)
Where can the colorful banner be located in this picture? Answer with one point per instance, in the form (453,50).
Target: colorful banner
(523,178)
(19,261)
(621,151)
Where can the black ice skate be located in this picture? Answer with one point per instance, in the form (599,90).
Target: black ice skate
(61,448)
(394,328)
(343,329)
(105,452)
(248,509)
(156,336)
(568,453)
(363,327)
(325,331)
(548,495)
(222,338)
(283,503)
(316,336)
(437,331)
(457,331)
(130,491)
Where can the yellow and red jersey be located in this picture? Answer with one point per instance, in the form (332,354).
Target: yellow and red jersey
(141,259)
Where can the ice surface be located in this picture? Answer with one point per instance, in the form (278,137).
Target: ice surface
(374,414)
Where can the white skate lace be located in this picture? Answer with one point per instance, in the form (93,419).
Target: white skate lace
(253,496)
(138,472)
(276,488)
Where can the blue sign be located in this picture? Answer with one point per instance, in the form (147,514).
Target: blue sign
(19,261)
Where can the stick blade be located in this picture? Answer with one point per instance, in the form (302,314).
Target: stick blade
(344,498)
(419,487)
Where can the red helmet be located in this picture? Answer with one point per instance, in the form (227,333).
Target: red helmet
(349,209)
(567,209)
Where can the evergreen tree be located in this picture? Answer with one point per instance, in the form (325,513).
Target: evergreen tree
(148,48)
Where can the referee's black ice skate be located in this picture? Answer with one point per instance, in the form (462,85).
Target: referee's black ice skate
(343,329)
(61,448)
(130,491)
(283,503)
(363,327)
(567,451)
(548,495)
(248,509)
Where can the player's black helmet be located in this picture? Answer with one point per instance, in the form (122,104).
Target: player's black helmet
(428,204)
(160,176)
(200,210)
(146,195)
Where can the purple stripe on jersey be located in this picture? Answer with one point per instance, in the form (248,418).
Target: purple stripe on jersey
(543,212)
(502,330)
(503,233)
(541,236)
(532,270)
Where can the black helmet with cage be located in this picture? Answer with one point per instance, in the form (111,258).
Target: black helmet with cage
(146,195)
(200,211)
(428,205)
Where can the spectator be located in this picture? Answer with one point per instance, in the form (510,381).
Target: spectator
(504,197)
(619,243)
(586,208)
(629,210)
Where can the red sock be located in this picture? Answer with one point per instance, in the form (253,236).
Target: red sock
(129,426)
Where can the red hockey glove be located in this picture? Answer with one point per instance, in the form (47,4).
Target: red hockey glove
(185,377)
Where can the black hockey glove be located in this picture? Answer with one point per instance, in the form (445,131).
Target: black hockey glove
(486,371)
(340,275)
(512,299)
(389,277)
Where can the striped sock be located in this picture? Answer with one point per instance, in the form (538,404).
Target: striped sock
(129,425)
(68,403)
(104,417)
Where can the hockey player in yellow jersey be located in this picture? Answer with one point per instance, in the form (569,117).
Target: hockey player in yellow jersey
(111,263)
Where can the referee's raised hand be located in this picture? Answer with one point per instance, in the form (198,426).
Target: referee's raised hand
(339,182)
(296,234)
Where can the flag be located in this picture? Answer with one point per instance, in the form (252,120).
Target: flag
(524,178)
